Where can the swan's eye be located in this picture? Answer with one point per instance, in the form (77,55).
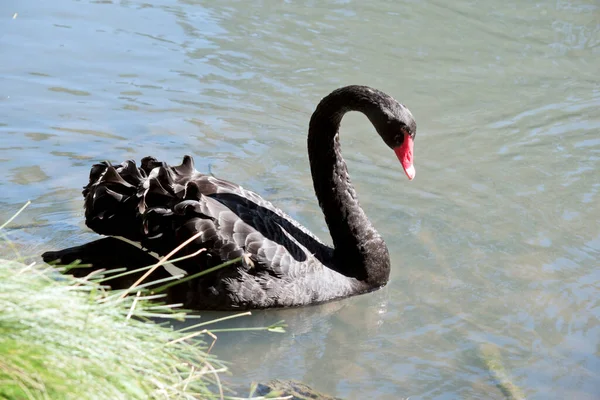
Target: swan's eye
(399,137)
(407,132)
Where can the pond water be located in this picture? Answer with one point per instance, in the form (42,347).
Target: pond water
(494,245)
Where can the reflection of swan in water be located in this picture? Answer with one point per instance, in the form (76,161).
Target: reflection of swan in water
(278,263)
(322,346)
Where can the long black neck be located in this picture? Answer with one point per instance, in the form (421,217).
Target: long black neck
(360,252)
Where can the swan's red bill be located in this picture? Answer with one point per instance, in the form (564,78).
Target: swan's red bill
(404,153)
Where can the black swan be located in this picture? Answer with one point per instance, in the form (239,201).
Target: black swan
(281,263)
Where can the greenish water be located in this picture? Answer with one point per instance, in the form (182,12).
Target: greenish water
(497,240)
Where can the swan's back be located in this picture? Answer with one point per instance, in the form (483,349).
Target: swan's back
(282,263)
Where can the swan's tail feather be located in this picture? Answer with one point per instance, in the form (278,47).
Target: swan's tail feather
(134,202)
(109,254)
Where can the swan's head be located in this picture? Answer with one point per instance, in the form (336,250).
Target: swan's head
(398,129)
(394,122)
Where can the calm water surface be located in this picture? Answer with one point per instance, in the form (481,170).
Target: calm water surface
(496,244)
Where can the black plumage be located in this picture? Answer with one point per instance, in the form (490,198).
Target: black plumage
(282,263)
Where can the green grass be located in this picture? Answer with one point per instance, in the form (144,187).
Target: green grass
(59,339)
(70,338)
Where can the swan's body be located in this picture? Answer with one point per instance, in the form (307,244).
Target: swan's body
(282,264)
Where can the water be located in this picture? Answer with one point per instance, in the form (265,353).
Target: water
(496,241)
